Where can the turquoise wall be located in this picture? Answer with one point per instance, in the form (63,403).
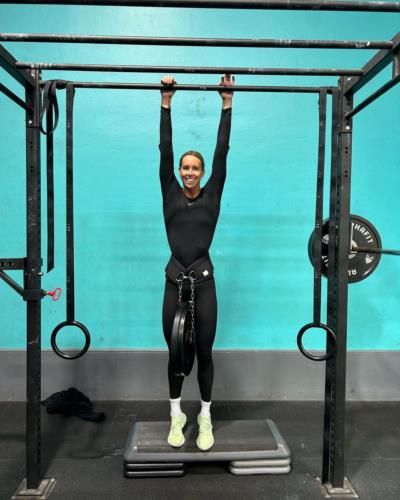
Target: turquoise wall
(264,278)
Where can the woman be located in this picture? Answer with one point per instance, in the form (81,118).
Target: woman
(190,215)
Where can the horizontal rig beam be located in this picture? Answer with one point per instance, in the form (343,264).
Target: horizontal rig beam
(190,69)
(197,42)
(12,263)
(379,62)
(332,5)
(211,88)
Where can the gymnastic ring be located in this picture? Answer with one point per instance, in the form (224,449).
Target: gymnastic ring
(329,354)
(63,354)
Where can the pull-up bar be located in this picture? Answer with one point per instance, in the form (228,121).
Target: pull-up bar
(211,88)
(332,5)
(189,69)
(198,42)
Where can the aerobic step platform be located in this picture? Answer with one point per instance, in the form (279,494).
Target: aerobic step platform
(250,446)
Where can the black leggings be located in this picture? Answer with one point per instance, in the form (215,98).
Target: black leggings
(205,326)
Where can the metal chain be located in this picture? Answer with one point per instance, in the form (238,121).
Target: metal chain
(192,278)
(179,280)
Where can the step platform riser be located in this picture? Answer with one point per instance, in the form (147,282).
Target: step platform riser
(249,446)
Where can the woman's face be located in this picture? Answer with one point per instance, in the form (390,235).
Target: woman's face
(191,172)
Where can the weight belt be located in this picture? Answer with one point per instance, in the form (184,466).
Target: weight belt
(201,268)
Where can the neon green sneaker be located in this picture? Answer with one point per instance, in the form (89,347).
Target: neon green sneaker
(175,436)
(205,439)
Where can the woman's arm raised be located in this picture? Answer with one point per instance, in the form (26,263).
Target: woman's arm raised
(166,150)
(218,174)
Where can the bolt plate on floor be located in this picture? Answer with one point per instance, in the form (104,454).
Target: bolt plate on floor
(328,491)
(43,492)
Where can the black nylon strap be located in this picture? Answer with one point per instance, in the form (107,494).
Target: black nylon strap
(70,285)
(317,244)
(49,105)
(70,205)
(319,207)
(50,193)
(50,109)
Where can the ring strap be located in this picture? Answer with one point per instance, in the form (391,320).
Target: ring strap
(70,237)
(50,109)
(50,106)
(317,243)
(319,207)
(70,205)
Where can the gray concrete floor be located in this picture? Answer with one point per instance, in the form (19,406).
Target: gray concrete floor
(86,458)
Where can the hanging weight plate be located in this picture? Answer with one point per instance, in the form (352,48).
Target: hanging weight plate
(188,350)
(183,347)
(175,354)
(361,264)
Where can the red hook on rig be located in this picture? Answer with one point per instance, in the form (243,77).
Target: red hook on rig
(54,294)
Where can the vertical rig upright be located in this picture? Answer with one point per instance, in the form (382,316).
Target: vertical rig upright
(333,479)
(33,486)
(32,284)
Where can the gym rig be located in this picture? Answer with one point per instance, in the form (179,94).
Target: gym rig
(335,236)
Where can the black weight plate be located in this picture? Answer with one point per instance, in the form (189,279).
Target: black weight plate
(182,341)
(365,235)
(188,349)
(175,354)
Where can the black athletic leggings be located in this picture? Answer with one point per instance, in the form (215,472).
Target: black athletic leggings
(205,326)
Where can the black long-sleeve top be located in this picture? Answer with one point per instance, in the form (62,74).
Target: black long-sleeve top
(190,223)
